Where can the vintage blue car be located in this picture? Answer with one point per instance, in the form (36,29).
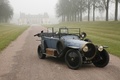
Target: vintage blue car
(74,48)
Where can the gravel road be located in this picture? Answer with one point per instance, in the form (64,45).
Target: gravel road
(19,61)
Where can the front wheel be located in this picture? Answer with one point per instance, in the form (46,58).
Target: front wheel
(40,53)
(73,59)
(104,59)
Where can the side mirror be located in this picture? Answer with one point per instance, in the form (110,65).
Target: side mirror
(83,35)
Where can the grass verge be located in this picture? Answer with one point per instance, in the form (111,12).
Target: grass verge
(101,33)
(8,33)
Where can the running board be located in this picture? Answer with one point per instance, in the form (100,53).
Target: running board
(52,52)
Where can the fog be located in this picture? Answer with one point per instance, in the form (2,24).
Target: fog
(34,7)
(37,8)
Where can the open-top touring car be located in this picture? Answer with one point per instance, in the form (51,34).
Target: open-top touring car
(75,48)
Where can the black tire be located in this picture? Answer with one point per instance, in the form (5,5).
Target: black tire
(40,53)
(73,59)
(104,59)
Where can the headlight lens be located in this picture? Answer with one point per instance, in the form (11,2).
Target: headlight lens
(83,35)
(100,48)
(85,49)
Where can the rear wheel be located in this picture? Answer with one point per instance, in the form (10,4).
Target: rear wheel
(73,59)
(104,59)
(40,53)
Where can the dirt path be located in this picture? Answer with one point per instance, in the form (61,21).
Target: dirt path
(19,61)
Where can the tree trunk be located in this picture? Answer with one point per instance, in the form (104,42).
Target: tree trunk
(116,10)
(88,10)
(107,10)
(94,12)
(78,16)
(80,9)
(75,16)
(81,15)
(70,17)
(67,18)
(62,18)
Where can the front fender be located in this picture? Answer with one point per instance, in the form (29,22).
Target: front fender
(66,49)
(73,47)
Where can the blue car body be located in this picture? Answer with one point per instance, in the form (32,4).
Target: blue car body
(75,48)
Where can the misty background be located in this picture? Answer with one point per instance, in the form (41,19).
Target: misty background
(34,7)
(54,11)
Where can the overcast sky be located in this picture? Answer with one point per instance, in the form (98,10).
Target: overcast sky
(34,6)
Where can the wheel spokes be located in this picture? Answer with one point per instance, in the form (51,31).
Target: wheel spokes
(73,59)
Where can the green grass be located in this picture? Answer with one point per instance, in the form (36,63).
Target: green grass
(8,33)
(101,33)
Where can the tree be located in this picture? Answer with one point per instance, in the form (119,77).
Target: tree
(70,10)
(6,12)
(97,4)
(116,9)
(89,7)
(63,9)
(106,5)
(81,9)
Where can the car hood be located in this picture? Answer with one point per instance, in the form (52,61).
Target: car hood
(75,43)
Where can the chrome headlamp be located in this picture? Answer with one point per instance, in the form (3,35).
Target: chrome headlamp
(85,48)
(100,48)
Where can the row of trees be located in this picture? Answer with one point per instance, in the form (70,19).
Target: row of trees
(73,10)
(6,11)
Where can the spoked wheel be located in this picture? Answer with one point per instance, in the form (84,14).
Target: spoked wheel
(73,59)
(40,53)
(104,59)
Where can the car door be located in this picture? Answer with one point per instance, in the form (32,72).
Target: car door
(51,42)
